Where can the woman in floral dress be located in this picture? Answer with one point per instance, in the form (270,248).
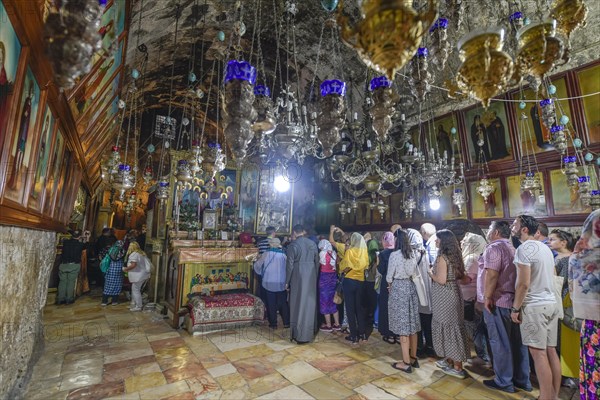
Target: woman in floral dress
(584,286)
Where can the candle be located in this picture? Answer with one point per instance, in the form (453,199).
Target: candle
(355,116)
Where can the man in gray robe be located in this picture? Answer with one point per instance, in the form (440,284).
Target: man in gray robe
(301,280)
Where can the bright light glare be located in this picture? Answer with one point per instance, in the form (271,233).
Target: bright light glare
(434,204)
(281,184)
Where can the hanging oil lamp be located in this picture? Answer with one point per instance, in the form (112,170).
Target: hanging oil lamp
(571,170)
(458,199)
(485,70)
(484,188)
(331,117)
(389,33)
(570,15)
(162,190)
(383,109)
(440,46)
(419,79)
(238,108)
(539,48)
(585,190)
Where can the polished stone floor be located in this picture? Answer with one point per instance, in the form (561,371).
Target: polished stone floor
(95,352)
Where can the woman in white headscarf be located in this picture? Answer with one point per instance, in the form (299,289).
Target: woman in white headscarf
(472,247)
(425,338)
(327,284)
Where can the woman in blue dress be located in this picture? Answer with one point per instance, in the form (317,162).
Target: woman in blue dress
(113,280)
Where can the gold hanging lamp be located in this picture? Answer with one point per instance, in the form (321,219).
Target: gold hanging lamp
(389,33)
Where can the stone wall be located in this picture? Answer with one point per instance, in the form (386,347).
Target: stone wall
(26,258)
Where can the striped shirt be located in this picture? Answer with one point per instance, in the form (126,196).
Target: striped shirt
(499,256)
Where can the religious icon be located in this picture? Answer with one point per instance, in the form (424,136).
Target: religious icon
(20,156)
(10,50)
(488,133)
(42,170)
(589,83)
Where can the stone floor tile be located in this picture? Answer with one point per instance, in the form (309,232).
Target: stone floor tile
(164,391)
(221,370)
(356,375)
(253,368)
(161,336)
(80,379)
(232,381)
(202,385)
(268,383)
(185,371)
(451,386)
(326,388)
(97,392)
(398,385)
(300,372)
(143,382)
(333,363)
(289,392)
(382,364)
(147,368)
(373,392)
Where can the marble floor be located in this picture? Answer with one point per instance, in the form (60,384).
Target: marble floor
(94,352)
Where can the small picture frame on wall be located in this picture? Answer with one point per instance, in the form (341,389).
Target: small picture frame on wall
(209,220)
(492,208)
(566,199)
(526,201)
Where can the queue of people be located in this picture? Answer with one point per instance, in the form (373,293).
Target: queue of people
(436,296)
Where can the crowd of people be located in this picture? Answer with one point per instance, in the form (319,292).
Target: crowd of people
(523,299)
(125,261)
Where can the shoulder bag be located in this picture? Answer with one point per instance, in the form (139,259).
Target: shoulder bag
(105,264)
(338,297)
(420,285)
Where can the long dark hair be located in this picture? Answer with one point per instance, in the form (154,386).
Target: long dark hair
(403,243)
(566,236)
(450,248)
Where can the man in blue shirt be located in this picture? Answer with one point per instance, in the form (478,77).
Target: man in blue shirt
(272,267)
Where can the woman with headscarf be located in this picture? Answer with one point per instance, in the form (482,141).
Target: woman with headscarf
(113,280)
(327,284)
(584,287)
(447,324)
(425,339)
(137,272)
(403,302)
(473,246)
(383,258)
(353,265)
(370,295)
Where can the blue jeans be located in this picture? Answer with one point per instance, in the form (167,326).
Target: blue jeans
(511,358)
(353,291)
(480,337)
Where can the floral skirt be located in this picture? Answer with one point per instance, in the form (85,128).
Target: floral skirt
(589,360)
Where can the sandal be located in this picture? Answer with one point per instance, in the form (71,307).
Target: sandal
(390,340)
(415,363)
(408,368)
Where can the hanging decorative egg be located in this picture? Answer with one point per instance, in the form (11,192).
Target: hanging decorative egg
(522,105)
(552,89)
(589,157)
(577,142)
(453,130)
(121,104)
(239,27)
(221,36)
(185,121)
(200,93)
(329,5)
(192,77)
(564,120)
(135,73)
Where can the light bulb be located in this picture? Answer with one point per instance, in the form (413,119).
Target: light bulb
(434,203)
(281,184)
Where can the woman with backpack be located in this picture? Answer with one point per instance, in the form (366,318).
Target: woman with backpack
(113,280)
(138,272)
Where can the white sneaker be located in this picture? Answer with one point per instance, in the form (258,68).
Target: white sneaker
(442,364)
(135,309)
(455,373)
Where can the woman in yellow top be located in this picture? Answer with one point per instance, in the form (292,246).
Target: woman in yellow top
(355,260)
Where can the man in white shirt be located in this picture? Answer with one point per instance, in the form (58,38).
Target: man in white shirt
(428,232)
(535,306)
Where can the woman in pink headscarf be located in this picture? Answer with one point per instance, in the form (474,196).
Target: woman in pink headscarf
(383,257)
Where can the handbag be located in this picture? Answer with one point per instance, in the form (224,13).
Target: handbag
(569,317)
(338,297)
(469,308)
(420,286)
(558,285)
(105,264)
(378,282)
